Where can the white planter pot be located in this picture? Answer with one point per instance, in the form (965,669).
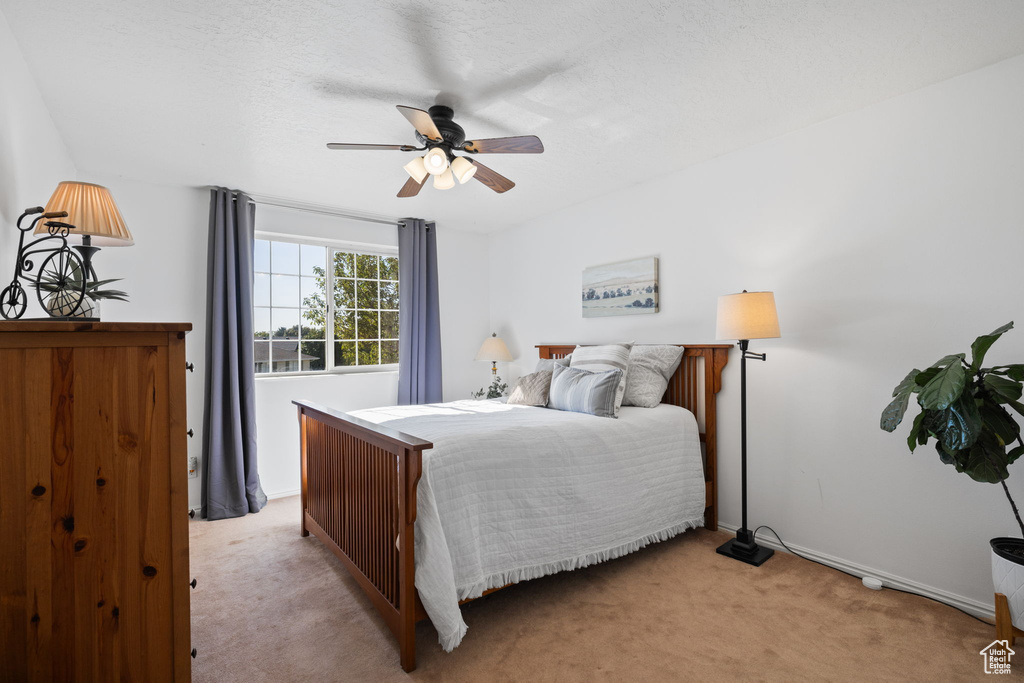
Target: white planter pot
(88,308)
(1008,576)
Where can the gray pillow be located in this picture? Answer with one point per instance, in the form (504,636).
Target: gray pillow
(605,357)
(582,391)
(549,364)
(650,369)
(532,390)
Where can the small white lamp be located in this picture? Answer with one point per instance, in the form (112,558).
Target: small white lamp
(494,349)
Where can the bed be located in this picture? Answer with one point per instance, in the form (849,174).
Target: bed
(465,528)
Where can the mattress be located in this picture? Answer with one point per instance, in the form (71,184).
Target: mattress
(510,493)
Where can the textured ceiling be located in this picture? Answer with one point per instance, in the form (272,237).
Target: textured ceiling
(245,93)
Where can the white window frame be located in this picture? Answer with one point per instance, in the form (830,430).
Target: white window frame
(332,246)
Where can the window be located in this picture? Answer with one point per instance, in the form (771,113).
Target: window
(307,321)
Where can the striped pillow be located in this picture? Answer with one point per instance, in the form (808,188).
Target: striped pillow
(582,391)
(606,357)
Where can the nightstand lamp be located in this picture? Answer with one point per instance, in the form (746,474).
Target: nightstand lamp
(746,316)
(494,350)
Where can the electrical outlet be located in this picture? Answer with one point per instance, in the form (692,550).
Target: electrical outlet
(193,467)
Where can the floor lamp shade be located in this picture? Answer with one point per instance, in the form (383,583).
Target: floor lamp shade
(748,315)
(93,212)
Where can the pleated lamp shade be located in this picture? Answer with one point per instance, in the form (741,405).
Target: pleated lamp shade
(749,315)
(92,210)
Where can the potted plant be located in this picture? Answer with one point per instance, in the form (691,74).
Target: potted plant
(496,390)
(57,307)
(964,408)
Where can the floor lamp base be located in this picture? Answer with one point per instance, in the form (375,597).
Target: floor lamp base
(751,553)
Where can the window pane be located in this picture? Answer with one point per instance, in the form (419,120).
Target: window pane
(369,353)
(313,260)
(389,268)
(312,292)
(284,290)
(284,258)
(285,323)
(261,256)
(286,356)
(366,294)
(366,266)
(261,354)
(261,290)
(389,295)
(261,323)
(389,325)
(344,264)
(314,332)
(313,356)
(344,353)
(344,324)
(368,325)
(388,352)
(344,293)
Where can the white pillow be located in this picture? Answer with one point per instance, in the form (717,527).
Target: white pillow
(605,357)
(548,364)
(650,369)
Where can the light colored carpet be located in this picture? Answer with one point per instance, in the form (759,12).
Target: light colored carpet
(271,606)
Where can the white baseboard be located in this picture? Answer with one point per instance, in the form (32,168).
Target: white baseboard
(978,609)
(283,494)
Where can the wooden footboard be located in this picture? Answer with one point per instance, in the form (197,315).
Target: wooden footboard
(359,487)
(359,498)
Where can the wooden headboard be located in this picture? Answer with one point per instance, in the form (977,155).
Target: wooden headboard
(694,390)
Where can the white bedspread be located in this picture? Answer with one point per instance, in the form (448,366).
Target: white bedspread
(510,493)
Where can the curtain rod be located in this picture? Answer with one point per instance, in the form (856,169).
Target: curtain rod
(322,209)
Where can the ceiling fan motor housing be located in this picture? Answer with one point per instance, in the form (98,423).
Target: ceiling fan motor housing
(452,134)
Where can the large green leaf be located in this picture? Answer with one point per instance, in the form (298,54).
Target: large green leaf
(945,387)
(1012,371)
(893,413)
(1014,454)
(987,461)
(962,425)
(999,421)
(1004,389)
(915,432)
(946,361)
(927,376)
(983,343)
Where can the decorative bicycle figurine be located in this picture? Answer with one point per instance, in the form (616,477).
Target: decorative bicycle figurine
(61,276)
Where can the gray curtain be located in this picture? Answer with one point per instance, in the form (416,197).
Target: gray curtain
(419,319)
(231,484)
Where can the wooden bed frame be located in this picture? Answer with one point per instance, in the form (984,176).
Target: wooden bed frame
(359,487)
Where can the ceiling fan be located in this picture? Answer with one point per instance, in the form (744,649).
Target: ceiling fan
(441,137)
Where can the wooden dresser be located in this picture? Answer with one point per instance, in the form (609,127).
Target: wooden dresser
(94,576)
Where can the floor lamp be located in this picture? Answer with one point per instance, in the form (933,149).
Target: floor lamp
(746,316)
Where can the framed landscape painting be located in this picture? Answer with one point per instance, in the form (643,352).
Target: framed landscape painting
(624,288)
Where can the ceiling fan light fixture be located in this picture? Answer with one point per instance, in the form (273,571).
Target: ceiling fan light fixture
(416,169)
(436,161)
(463,169)
(444,181)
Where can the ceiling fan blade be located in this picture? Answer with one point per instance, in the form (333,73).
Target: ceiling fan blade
(491,179)
(521,144)
(411,187)
(421,121)
(356,147)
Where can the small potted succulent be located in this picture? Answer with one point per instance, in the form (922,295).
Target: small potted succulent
(964,408)
(59,307)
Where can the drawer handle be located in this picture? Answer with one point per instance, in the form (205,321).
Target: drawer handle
(190,367)
(193,653)
(190,433)
(191,514)
(193,584)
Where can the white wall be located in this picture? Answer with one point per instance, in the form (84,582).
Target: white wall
(33,157)
(462,281)
(891,237)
